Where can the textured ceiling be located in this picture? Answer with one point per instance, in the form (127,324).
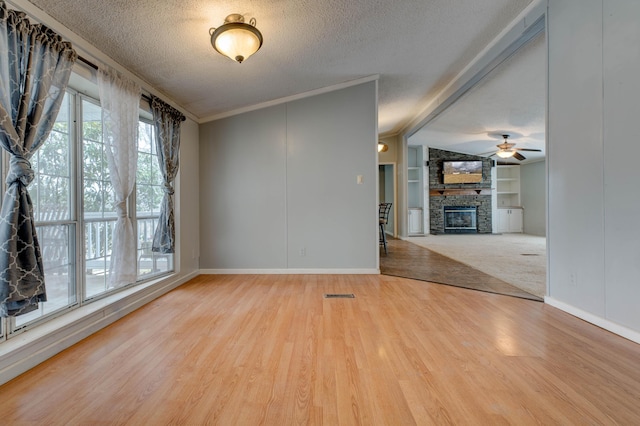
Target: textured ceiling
(415,46)
(509,100)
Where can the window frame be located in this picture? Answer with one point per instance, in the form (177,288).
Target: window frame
(76,222)
(10,327)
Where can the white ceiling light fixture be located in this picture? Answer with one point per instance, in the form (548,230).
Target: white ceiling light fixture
(236,39)
(506,153)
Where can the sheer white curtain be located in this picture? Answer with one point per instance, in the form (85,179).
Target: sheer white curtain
(120,100)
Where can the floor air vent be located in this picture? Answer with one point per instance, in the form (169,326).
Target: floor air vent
(340,296)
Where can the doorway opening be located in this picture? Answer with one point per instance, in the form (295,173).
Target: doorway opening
(503,94)
(387,194)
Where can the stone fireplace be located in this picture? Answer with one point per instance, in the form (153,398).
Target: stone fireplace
(470,199)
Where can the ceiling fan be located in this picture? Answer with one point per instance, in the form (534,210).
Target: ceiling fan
(507,150)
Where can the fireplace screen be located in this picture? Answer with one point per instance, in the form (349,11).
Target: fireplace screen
(460,219)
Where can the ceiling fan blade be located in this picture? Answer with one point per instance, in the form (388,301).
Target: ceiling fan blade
(528,149)
(519,156)
(490,153)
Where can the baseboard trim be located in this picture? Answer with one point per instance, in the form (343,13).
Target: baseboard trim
(363,271)
(24,351)
(604,323)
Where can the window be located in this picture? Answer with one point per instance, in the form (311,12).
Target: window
(73,202)
(52,198)
(149,193)
(97,201)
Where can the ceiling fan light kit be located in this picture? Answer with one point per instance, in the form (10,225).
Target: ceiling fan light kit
(235,39)
(505,153)
(507,150)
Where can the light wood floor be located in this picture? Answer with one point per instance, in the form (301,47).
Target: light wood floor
(269,349)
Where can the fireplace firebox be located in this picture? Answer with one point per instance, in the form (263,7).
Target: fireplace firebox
(460,219)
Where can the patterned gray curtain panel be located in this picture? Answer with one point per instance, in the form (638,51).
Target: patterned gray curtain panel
(167,121)
(36,65)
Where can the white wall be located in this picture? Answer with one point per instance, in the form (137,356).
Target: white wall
(622,151)
(243,174)
(279,186)
(187,199)
(594,240)
(533,197)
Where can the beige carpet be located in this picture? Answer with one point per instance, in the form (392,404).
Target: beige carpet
(517,259)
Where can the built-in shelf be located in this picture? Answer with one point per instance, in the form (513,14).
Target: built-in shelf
(508,186)
(413,174)
(510,213)
(415,190)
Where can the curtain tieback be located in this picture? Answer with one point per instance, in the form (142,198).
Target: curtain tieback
(20,171)
(168,189)
(121,209)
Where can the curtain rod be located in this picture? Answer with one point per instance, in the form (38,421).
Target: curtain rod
(95,67)
(88,62)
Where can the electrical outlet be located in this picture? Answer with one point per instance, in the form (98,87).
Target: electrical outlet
(573,279)
(303,251)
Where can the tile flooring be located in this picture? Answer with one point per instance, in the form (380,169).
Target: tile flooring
(408,260)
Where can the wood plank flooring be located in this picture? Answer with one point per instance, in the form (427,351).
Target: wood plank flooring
(269,349)
(408,260)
